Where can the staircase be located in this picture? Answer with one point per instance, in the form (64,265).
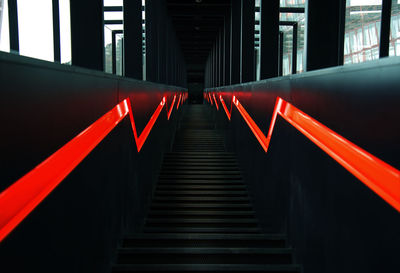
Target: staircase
(201,218)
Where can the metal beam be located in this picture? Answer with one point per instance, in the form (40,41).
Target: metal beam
(385,28)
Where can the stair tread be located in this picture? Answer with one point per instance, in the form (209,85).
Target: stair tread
(202,230)
(209,267)
(206,236)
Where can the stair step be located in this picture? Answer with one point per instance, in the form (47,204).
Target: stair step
(204,240)
(199,182)
(201,213)
(200,176)
(202,187)
(225,230)
(216,173)
(209,206)
(232,200)
(242,268)
(201,193)
(186,255)
(199,223)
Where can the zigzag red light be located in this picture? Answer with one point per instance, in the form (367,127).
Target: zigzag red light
(19,199)
(379,176)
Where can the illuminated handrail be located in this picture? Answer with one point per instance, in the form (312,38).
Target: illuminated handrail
(216,103)
(172,107)
(379,176)
(19,199)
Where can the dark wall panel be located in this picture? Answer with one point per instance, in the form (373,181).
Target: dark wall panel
(77,228)
(335,223)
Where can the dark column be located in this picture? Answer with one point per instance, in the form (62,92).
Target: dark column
(326,51)
(385,28)
(87,34)
(235,41)
(227,49)
(280,71)
(56,31)
(161,29)
(247,41)
(294,49)
(114,52)
(217,48)
(269,35)
(214,68)
(151,41)
(13,25)
(133,39)
(221,58)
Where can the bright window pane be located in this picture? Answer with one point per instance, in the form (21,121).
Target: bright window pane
(362,30)
(119,54)
(394,46)
(113,15)
(287,49)
(113,3)
(292,3)
(4,29)
(65,31)
(108,49)
(35,27)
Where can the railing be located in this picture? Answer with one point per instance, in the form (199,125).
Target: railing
(379,176)
(19,199)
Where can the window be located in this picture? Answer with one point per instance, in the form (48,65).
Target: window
(363,29)
(35,29)
(65,31)
(113,30)
(394,45)
(4,29)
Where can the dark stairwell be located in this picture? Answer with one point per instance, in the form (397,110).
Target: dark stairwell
(201,217)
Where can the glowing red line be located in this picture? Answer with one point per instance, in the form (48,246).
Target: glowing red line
(210,98)
(228,114)
(379,176)
(253,126)
(180,96)
(172,107)
(19,199)
(216,104)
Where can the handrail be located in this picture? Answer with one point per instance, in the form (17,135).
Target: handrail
(19,199)
(172,107)
(379,176)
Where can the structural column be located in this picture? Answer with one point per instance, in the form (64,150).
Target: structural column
(325,33)
(227,49)
(151,41)
(235,41)
(221,58)
(87,34)
(247,66)
(13,25)
(133,51)
(269,39)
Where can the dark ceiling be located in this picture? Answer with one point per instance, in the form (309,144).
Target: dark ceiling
(197,23)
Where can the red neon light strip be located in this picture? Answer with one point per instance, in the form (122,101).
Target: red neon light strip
(19,199)
(146,131)
(179,101)
(379,176)
(216,103)
(172,107)
(228,114)
(253,126)
(210,98)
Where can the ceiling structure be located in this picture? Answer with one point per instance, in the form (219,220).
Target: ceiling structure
(197,23)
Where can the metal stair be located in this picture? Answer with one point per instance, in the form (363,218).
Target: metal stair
(201,218)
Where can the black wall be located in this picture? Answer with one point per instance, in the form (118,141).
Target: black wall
(335,223)
(78,226)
